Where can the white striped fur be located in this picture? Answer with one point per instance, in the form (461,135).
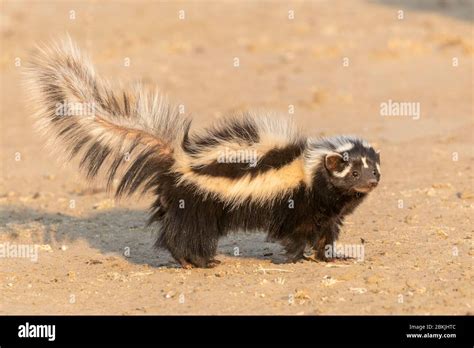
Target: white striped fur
(61,72)
(274,132)
(343,172)
(143,120)
(364,162)
(264,188)
(345,147)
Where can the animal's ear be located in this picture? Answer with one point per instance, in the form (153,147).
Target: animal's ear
(378,155)
(333,161)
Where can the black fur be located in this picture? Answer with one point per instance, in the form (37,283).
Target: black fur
(192,223)
(191,232)
(237,128)
(135,135)
(273,159)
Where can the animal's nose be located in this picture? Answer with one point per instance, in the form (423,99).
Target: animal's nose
(373,182)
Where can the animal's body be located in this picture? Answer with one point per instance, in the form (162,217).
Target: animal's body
(247,172)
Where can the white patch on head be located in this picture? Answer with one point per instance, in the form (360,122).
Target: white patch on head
(345,147)
(378,168)
(343,172)
(364,162)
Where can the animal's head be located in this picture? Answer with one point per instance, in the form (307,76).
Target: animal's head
(348,163)
(354,166)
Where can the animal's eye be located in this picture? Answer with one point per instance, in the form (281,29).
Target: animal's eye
(355,174)
(374,172)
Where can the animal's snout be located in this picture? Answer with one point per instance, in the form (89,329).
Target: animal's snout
(373,183)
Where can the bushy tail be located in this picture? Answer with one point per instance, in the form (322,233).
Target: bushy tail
(126,134)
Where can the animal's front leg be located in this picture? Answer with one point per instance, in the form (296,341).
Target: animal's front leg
(295,250)
(328,234)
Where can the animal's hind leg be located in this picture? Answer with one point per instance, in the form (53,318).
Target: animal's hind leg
(201,252)
(201,262)
(188,246)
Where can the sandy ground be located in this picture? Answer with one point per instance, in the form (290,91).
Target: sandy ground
(95,255)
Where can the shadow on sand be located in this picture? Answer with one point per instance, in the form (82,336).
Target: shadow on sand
(459,9)
(113,231)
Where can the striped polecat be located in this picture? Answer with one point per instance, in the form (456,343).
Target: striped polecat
(246,172)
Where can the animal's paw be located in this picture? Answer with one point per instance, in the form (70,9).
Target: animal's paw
(212,263)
